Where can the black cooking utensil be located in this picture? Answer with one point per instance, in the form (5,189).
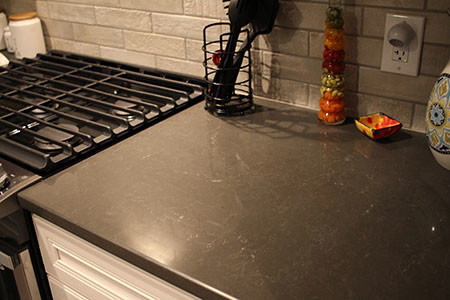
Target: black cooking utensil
(261,23)
(240,13)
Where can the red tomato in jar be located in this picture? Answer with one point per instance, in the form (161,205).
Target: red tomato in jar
(330,55)
(337,67)
(216,57)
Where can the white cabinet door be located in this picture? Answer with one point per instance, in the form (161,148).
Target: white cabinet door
(95,273)
(63,292)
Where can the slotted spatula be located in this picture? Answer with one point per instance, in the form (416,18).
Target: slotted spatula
(240,13)
(261,23)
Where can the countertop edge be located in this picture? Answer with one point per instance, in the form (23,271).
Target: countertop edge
(147,264)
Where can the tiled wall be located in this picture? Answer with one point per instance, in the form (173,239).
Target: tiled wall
(17,6)
(167,34)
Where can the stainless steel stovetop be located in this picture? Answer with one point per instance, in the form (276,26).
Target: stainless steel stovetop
(60,107)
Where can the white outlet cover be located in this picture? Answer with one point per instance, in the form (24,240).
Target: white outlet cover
(411,67)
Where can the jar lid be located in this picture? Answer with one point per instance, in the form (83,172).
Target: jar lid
(23,16)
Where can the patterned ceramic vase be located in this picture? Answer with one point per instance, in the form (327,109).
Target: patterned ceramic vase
(438,119)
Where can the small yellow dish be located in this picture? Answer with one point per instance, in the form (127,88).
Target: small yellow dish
(378,126)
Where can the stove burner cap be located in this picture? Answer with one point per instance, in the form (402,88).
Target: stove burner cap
(41,114)
(54,134)
(123,104)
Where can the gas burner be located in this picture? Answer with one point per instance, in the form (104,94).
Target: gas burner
(39,113)
(42,114)
(122,113)
(54,134)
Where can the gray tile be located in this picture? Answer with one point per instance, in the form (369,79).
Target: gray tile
(71,12)
(434,59)
(314,96)
(194,50)
(98,35)
(42,9)
(129,19)
(155,44)
(389,3)
(364,51)
(180,66)
(17,6)
(286,41)
(76,47)
(288,91)
(303,69)
(316,47)
(205,8)
(351,77)
(132,57)
(416,89)
(75,1)
(170,6)
(361,104)
(312,16)
(59,29)
(181,26)
(437,25)
(112,3)
(438,4)
(418,122)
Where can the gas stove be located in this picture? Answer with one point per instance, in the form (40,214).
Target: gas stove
(59,108)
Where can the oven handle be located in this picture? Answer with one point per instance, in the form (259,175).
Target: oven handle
(22,268)
(9,261)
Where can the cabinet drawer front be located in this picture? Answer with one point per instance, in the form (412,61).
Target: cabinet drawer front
(63,292)
(96,273)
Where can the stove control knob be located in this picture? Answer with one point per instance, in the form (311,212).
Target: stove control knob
(3,177)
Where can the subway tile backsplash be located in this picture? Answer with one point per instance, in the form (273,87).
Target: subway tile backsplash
(287,63)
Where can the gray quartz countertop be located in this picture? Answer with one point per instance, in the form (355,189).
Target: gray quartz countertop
(272,205)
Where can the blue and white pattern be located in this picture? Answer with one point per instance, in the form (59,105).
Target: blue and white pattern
(438,115)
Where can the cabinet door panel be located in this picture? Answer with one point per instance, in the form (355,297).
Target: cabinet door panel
(98,274)
(63,292)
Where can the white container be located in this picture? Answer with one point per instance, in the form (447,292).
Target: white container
(3,24)
(26,32)
(438,119)
(9,42)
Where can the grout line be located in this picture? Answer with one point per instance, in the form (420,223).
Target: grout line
(413,112)
(363,10)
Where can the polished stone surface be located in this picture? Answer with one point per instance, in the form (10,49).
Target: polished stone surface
(272,205)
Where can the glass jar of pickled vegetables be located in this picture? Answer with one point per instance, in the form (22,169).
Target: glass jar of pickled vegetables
(332,103)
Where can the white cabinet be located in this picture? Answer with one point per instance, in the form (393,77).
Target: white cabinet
(61,291)
(79,270)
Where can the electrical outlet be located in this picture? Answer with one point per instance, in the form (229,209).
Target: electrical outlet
(400,54)
(403,59)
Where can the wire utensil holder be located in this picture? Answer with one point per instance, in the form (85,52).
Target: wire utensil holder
(223,98)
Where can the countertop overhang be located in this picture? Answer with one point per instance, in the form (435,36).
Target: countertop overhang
(271,205)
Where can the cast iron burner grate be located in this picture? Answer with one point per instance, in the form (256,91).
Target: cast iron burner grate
(59,106)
